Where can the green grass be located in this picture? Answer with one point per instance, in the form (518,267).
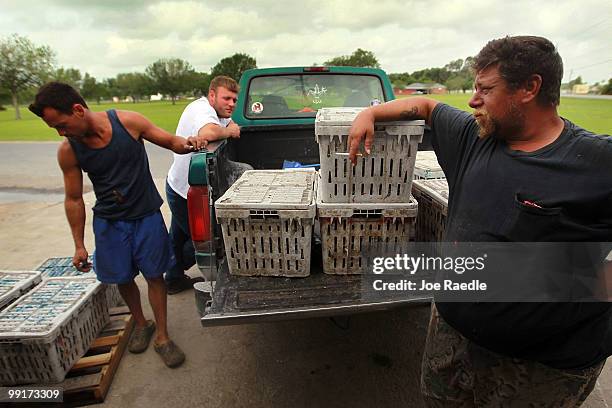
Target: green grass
(32,128)
(592,114)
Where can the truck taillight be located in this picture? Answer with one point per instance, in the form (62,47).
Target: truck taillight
(199,213)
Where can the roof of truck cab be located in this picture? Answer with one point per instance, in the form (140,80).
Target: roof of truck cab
(296,70)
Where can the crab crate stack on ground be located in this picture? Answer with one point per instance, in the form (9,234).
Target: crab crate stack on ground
(63,267)
(367,209)
(43,333)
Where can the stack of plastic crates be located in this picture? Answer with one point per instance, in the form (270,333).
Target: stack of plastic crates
(367,209)
(46,331)
(63,267)
(432,196)
(427,167)
(266,218)
(13,284)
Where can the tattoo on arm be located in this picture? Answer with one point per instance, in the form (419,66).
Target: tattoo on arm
(411,114)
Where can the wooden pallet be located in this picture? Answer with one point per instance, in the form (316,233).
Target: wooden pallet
(89,379)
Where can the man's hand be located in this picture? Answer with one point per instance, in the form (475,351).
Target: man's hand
(79,260)
(234,130)
(195,143)
(362,127)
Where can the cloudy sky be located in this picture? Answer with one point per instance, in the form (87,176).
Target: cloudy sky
(106,37)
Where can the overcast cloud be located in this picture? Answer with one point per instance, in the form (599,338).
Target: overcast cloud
(108,37)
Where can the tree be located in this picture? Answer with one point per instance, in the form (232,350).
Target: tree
(359,58)
(402,79)
(577,81)
(439,75)
(70,76)
(135,85)
(455,83)
(454,66)
(4,98)
(109,88)
(23,65)
(171,76)
(91,89)
(607,88)
(201,83)
(234,66)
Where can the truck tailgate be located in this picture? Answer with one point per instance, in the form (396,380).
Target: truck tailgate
(239,299)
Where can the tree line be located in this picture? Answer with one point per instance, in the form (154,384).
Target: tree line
(24,66)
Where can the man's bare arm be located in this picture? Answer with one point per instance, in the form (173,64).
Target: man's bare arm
(212,132)
(73,203)
(400,109)
(139,125)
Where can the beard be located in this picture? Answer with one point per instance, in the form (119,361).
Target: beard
(508,127)
(222,114)
(486,124)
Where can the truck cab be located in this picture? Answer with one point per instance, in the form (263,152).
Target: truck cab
(276,111)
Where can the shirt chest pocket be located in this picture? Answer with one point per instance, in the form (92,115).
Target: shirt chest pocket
(530,222)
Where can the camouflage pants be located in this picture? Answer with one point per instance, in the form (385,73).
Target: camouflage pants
(458,373)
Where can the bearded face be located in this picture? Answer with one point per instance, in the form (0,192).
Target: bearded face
(496,111)
(505,125)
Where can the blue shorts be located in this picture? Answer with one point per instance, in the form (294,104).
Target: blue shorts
(125,247)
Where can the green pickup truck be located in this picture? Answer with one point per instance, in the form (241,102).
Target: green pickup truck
(276,111)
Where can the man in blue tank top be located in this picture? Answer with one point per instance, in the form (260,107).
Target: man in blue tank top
(130,234)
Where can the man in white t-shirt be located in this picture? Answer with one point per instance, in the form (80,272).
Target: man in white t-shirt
(209,118)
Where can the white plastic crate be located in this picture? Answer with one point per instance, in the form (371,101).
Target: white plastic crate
(63,267)
(426,166)
(13,284)
(352,234)
(383,176)
(47,330)
(432,196)
(266,218)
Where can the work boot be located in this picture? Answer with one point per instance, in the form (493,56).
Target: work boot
(183,283)
(170,353)
(141,336)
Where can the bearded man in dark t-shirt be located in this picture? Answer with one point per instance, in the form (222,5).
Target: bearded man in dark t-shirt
(517,172)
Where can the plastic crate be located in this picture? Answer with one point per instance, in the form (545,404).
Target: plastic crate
(383,176)
(432,196)
(63,267)
(266,218)
(13,284)
(352,233)
(47,330)
(426,166)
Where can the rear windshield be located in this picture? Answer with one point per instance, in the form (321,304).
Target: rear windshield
(301,95)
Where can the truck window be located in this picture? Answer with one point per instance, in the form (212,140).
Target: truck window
(301,95)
